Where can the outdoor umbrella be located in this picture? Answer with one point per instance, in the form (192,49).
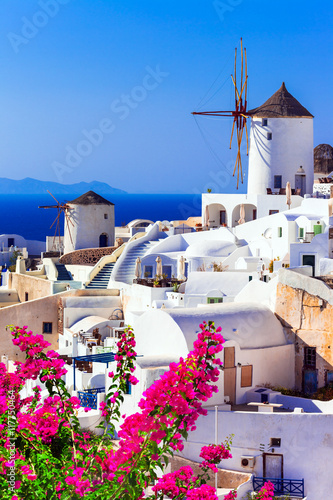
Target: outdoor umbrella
(205,221)
(158,266)
(137,271)
(241,214)
(181,269)
(288,194)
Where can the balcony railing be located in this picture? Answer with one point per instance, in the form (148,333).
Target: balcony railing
(294,487)
(88,398)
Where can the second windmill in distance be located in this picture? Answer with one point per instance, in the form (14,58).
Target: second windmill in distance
(61,208)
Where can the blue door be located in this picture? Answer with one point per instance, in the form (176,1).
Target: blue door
(309,381)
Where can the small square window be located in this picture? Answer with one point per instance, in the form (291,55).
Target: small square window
(269,136)
(47,327)
(264,122)
(275,443)
(106,216)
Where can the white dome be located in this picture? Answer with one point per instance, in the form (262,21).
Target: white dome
(213,248)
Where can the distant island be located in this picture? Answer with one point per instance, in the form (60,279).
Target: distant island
(34,186)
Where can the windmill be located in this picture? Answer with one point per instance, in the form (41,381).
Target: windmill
(240,113)
(61,208)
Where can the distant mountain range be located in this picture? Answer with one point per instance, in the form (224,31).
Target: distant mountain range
(34,186)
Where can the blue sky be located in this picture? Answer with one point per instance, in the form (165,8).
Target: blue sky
(103,90)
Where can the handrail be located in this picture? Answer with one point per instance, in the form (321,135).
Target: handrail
(295,487)
(108,259)
(88,400)
(151,234)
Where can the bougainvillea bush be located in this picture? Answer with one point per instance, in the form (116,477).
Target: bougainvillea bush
(46,455)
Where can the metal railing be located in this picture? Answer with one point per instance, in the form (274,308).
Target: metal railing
(101,349)
(294,487)
(88,397)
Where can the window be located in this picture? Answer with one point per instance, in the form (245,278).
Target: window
(275,443)
(47,327)
(26,296)
(250,278)
(317,229)
(269,136)
(148,272)
(272,212)
(254,214)
(11,242)
(310,357)
(301,232)
(279,232)
(214,300)
(167,271)
(106,216)
(264,122)
(128,387)
(277,181)
(329,377)
(246,376)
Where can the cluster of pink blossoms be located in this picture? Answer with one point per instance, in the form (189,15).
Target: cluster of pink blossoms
(213,454)
(266,492)
(79,464)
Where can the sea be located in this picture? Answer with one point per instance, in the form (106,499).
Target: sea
(20,213)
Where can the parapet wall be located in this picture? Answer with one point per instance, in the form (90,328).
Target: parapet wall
(86,256)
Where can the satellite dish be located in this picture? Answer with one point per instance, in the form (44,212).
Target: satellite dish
(268,233)
(117,314)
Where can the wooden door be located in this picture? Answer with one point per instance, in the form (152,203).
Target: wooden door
(230,384)
(273,466)
(229,373)
(229,357)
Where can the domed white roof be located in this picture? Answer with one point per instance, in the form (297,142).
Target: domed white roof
(213,248)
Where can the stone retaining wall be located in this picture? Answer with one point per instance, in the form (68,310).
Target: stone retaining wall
(225,478)
(86,256)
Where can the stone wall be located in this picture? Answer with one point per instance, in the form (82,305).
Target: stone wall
(307,319)
(225,478)
(34,287)
(86,256)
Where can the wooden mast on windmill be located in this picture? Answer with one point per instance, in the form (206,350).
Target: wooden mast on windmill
(240,112)
(61,208)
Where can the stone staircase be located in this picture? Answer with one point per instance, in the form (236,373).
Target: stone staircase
(63,274)
(101,280)
(125,272)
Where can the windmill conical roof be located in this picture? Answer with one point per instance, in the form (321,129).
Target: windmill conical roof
(281,105)
(90,198)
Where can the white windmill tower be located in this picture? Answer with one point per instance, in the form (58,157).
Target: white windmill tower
(281,145)
(92,218)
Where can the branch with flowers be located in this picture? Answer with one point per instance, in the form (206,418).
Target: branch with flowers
(55,459)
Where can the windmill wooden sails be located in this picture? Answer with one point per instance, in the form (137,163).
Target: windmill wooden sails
(240,113)
(61,208)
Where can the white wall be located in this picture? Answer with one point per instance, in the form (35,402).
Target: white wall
(306,444)
(88,224)
(291,146)
(318,247)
